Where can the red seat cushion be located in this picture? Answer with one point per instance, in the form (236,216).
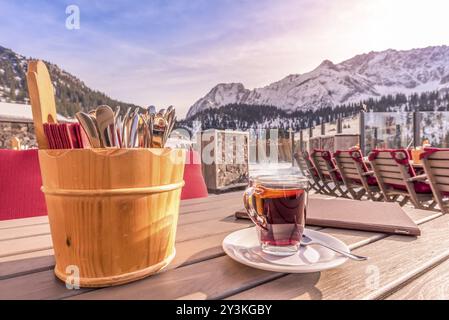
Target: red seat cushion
(20,185)
(422,187)
(194,187)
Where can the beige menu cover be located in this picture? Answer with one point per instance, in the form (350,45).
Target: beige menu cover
(386,217)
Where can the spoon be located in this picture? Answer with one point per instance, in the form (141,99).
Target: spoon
(106,127)
(306,241)
(133,129)
(124,132)
(117,124)
(142,131)
(89,125)
(170,117)
(151,109)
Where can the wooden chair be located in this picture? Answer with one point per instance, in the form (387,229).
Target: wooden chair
(328,173)
(436,167)
(308,170)
(396,178)
(358,179)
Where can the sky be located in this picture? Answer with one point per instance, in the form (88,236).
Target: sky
(173,52)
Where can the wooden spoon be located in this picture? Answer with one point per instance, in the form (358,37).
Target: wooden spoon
(106,125)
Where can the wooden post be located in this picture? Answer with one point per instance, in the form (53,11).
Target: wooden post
(416,128)
(292,141)
(323,128)
(362,131)
(339,125)
(257,148)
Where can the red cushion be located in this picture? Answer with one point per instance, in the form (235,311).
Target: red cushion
(20,183)
(422,187)
(194,187)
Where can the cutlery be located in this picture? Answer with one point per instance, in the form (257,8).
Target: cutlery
(136,128)
(106,125)
(124,132)
(142,131)
(150,123)
(90,128)
(133,129)
(170,117)
(118,130)
(306,241)
(116,112)
(117,124)
(151,109)
(159,128)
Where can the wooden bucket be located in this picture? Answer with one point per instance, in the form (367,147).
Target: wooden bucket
(113,212)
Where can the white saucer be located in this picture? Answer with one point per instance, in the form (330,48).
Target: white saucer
(244,247)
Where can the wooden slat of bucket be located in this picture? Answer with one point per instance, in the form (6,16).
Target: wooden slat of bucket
(42,99)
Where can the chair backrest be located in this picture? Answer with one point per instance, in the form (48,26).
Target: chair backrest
(350,165)
(392,167)
(436,166)
(323,163)
(300,158)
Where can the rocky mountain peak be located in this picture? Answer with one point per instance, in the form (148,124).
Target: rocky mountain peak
(364,76)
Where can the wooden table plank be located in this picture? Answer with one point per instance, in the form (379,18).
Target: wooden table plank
(212,279)
(188,253)
(27,228)
(24,232)
(225,283)
(198,251)
(23,251)
(24,245)
(14,223)
(213,212)
(395,257)
(433,284)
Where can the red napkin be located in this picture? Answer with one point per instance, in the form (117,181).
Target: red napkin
(64,135)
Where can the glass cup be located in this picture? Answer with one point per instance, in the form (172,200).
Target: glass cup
(277,205)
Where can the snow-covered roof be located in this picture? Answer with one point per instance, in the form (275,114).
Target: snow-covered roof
(16,112)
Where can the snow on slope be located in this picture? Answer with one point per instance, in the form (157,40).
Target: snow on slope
(363,76)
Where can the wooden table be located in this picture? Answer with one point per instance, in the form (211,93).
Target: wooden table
(398,267)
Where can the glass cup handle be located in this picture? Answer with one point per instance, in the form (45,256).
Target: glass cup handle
(258,219)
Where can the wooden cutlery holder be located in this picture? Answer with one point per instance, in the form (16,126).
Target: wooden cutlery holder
(113,212)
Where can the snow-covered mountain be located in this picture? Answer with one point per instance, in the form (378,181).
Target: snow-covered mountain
(71,93)
(368,75)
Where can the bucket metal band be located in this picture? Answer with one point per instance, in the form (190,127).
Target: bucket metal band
(112,192)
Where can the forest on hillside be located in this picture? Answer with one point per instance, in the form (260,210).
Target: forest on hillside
(242,116)
(71,94)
